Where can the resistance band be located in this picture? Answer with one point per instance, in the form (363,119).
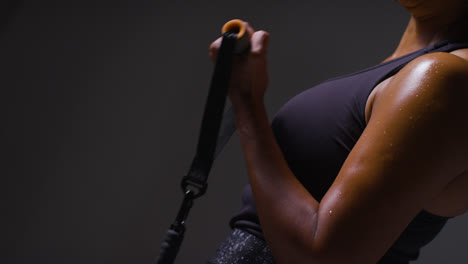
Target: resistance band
(213,135)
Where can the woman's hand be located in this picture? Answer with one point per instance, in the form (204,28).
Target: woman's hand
(249,77)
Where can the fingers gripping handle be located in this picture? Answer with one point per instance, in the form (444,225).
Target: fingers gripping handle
(238,27)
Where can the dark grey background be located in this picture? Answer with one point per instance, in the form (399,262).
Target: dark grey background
(101,104)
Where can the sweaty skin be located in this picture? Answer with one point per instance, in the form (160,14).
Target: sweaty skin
(412,155)
(452,201)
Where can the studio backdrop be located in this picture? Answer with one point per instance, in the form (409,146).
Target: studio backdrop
(102,103)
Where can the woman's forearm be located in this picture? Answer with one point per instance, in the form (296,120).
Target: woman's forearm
(287,212)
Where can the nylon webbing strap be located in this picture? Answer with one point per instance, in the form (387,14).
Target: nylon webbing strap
(228,126)
(213,136)
(201,165)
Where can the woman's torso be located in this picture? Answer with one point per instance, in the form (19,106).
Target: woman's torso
(317,129)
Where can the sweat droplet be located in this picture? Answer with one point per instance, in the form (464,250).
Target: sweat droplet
(330,213)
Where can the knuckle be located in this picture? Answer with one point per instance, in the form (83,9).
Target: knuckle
(265,34)
(213,48)
(256,53)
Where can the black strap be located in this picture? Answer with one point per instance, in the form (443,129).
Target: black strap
(201,165)
(213,136)
(228,126)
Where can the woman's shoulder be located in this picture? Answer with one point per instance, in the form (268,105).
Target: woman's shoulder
(440,74)
(439,65)
(435,79)
(432,92)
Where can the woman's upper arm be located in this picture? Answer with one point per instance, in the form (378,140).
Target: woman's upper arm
(414,144)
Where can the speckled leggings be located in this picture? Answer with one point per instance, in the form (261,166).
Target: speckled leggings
(241,247)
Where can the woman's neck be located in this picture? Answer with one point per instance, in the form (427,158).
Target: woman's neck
(427,28)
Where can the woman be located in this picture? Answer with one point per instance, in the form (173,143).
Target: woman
(365,168)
